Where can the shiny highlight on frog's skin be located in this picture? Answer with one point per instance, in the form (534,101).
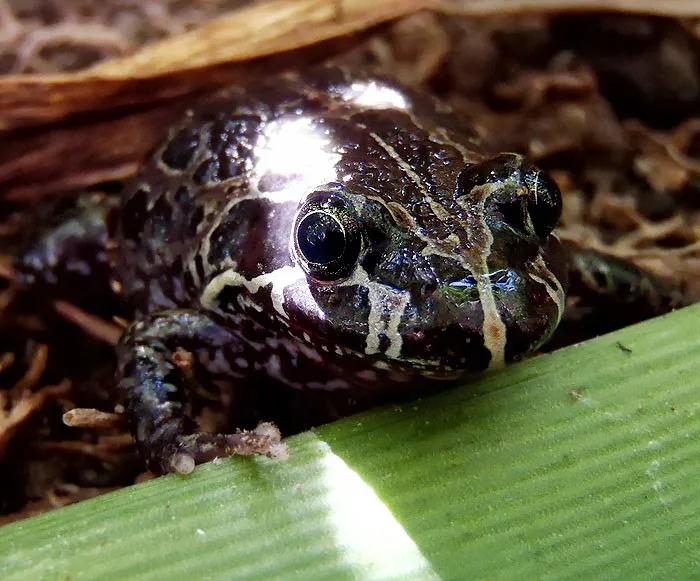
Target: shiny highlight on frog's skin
(375,95)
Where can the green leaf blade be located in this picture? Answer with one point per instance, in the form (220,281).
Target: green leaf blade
(576,465)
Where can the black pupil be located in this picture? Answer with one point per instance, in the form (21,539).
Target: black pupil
(321,238)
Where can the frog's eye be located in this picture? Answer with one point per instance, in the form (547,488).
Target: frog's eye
(544,202)
(535,209)
(527,199)
(327,237)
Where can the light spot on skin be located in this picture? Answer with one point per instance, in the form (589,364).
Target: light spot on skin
(294,348)
(274,366)
(297,149)
(400,377)
(245,302)
(374,95)
(220,365)
(279,280)
(331,385)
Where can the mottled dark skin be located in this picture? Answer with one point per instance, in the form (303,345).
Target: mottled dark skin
(332,233)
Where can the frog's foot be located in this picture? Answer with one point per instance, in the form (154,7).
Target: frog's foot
(200,447)
(156,386)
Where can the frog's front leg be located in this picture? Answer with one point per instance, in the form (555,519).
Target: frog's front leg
(67,250)
(626,293)
(156,395)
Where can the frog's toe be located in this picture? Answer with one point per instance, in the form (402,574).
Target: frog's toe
(200,447)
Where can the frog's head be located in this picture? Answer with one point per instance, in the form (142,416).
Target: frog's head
(440,274)
(448,282)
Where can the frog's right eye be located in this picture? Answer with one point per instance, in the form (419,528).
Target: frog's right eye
(327,237)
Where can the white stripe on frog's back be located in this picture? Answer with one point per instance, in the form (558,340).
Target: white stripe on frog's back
(440,212)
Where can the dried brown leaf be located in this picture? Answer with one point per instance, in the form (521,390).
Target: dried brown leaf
(488,7)
(124,99)
(80,153)
(174,66)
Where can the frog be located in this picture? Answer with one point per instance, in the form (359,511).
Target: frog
(328,231)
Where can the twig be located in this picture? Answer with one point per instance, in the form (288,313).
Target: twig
(91,324)
(24,407)
(37,366)
(91,418)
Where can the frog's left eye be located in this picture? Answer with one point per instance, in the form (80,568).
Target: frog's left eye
(528,200)
(533,208)
(327,237)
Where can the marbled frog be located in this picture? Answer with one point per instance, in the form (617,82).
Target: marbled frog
(325,231)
